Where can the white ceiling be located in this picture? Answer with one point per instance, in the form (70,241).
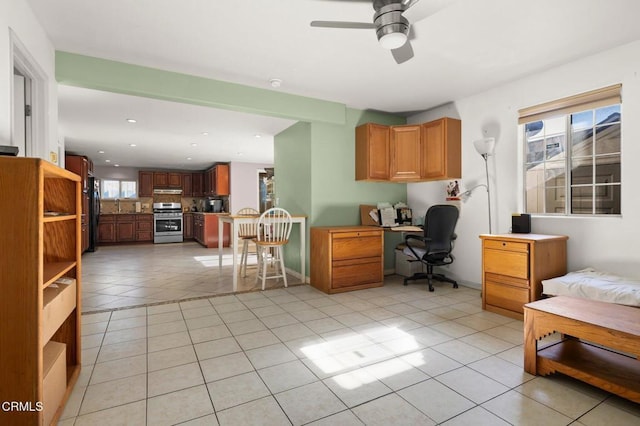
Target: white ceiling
(468,47)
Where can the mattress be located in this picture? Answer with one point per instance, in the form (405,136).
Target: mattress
(595,285)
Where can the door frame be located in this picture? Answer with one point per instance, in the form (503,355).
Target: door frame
(37,141)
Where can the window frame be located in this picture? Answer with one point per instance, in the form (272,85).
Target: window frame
(119,196)
(564,108)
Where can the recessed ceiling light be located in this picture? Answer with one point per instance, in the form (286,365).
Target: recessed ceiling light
(275,83)
(116,165)
(240,154)
(132,144)
(194,144)
(107,161)
(258,135)
(189,158)
(100,152)
(131,120)
(205,133)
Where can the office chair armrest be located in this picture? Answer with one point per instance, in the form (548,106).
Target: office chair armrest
(416,237)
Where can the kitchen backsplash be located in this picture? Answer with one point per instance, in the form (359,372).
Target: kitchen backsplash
(146,204)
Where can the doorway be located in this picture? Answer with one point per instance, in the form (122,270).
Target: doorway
(22,113)
(266,189)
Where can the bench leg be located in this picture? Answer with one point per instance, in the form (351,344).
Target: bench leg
(530,343)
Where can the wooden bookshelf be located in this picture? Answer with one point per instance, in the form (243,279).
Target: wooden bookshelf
(40,357)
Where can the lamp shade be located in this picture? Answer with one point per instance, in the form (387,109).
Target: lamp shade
(485,146)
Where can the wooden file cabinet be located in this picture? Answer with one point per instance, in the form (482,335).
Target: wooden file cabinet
(346,258)
(513,267)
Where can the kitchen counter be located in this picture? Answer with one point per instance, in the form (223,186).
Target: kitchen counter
(211,213)
(121,213)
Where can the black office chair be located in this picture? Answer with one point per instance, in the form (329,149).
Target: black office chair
(435,246)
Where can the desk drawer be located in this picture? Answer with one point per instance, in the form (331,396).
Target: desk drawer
(510,263)
(506,245)
(344,275)
(356,247)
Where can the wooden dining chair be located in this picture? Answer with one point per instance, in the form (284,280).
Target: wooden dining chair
(247,233)
(273,230)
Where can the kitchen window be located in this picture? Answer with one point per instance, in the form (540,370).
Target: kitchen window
(573,154)
(118,189)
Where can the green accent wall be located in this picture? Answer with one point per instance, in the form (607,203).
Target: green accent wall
(324,173)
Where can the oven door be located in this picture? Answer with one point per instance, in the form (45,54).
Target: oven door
(167,224)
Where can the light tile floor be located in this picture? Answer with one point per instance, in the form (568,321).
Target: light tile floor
(393,355)
(134,275)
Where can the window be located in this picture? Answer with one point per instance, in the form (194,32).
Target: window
(573,147)
(112,189)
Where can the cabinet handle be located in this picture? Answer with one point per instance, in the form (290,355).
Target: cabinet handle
(504,244)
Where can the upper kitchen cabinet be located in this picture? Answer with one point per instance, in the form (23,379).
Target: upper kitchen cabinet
(216,180)
(187,184)
(222,179)
(441,140)
(406,153)
(409,153)
(197,182)
(167,180)
(145,184)
(82,166)
(372,152)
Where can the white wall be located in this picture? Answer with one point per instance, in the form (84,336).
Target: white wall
(244,185)
(17,15)
(607,243)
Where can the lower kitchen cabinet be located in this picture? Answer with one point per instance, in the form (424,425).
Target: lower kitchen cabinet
(107,229)
(123,228)
(187,226)
(513,267)
(346,258)
(205,230)
(144,227)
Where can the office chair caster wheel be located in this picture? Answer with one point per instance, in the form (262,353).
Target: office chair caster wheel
(406,281)
(430,288)
(455,285)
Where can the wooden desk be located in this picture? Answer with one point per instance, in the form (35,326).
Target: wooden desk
(235,221)
(614,327)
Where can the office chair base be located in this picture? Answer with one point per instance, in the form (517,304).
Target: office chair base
(429,278)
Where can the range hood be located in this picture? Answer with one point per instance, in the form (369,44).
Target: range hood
(167,191)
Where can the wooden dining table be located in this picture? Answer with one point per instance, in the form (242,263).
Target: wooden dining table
(235,221)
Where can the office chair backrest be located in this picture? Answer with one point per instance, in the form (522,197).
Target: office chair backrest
(439,226)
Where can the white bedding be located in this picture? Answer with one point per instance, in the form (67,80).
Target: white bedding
(591,284)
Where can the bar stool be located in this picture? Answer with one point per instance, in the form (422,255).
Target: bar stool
(247,233)
(274,228)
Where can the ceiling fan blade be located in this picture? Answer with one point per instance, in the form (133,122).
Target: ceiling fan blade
(418,10)
(342,24)
(403,53)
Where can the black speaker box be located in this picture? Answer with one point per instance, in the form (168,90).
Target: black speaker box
(520,223)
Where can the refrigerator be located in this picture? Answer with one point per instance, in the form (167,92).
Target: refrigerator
(94,212)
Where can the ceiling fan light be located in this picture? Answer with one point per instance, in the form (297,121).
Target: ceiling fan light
(393,40)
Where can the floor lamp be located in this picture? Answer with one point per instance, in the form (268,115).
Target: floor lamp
(485,149)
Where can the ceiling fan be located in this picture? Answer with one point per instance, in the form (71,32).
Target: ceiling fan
(392,21)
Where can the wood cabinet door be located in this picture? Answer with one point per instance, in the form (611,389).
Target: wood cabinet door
(187,228)
(160,179)
(106,232)
(406,154)
(145,184)
(208,182)
(441,145)
(187,185)
(126,231)
(372,152)
(175,180)
(221,179)
(197,182)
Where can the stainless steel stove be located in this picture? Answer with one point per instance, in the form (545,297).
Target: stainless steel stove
(167,223)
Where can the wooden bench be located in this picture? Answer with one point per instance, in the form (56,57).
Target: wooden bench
(600,343)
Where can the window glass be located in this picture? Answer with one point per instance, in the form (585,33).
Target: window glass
(578,154)
(112,189)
